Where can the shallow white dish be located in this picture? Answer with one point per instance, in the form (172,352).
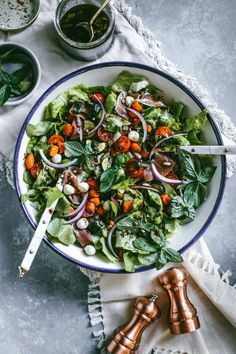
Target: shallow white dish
(105,74)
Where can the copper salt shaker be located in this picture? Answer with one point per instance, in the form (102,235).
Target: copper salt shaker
(182,314)
(126,339)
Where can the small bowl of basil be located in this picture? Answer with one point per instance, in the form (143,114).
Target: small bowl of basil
(20,73)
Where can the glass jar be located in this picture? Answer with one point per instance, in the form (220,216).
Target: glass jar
(84,51)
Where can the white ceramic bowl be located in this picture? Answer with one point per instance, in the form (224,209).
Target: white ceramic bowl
(105,74)
(35,66)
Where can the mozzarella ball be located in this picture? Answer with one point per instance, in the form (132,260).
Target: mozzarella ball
(56,158)
(133,135)
(68,189)
(107,205)
(83,187)
(90,250)
(82,223)
(129,100)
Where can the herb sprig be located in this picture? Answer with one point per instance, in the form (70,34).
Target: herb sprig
(16,83)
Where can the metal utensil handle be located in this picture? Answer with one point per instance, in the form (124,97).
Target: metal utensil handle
(211,150)
(98,11)
(36,239)
(38,235)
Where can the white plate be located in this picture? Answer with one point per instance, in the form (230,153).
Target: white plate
(105,74)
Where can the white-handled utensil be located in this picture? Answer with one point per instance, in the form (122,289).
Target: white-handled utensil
(38,235)
(210,150)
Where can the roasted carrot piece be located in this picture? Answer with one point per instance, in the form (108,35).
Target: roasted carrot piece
(29,161)
(127,206)
(67,129)
(135,147)
(53,150)
(96,201)
(165,198)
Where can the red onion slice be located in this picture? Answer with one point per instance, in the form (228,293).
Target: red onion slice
(115,201)
(104,113)
(145,187)
(56,165)
(143,121)
(73,213)
(120,107)
(162,141)
(110,233)
(79,210)
(109,243)
(163,179)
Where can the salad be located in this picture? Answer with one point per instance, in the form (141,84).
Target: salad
(127,185)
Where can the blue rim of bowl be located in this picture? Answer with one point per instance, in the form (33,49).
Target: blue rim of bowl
(146,68)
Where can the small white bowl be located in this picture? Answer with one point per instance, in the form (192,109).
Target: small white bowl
(36,71)
(17,15)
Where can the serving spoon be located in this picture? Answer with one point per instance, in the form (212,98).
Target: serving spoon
(88,25)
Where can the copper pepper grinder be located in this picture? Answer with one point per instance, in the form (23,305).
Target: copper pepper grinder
(182,314)
(126,339)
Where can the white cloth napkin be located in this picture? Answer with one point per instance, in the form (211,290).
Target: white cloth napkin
(213,298)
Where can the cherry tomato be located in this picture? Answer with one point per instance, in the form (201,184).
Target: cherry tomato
(123,144)
(97,96)
(104,135)
(134,170)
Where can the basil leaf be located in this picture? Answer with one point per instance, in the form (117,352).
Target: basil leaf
(194,193)
(74,149)
(129,182)
(172,255)
(19,75)
(107,179)
(181,208)
(5,55)
(206,174)
(187,165)
(161,259)
(5,93)
(5,77)
(142,244)
(155,198)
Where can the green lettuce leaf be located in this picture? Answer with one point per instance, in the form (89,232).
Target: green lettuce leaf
(64,233)
(78,93)
(106,251)
(52,194)
(196,122)
(39,129)
(124,80)
(110,102)
(129,261)
(58,105)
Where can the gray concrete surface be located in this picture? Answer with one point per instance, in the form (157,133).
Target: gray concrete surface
(47,311)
